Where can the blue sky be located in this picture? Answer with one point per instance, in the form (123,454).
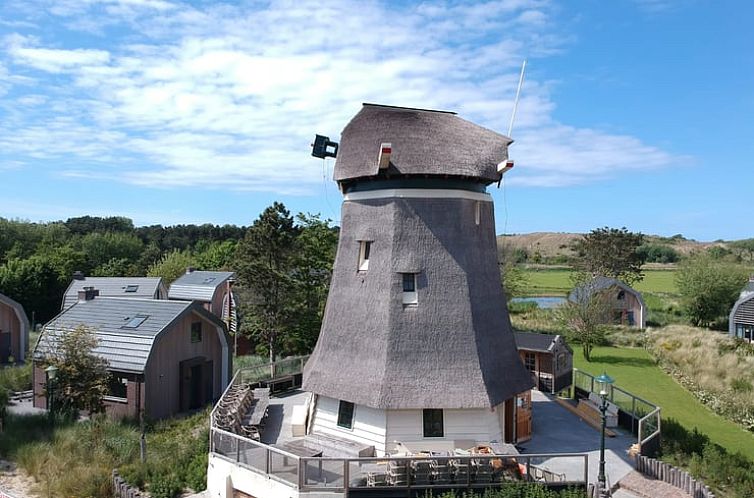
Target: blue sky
(634,113)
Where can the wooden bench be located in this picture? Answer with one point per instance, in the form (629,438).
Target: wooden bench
(587,414)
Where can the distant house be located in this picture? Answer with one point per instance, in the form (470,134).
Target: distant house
(131,287)
(165,357)
(741,320)
(548,358)
(214,290)
(14,331)
(628,306)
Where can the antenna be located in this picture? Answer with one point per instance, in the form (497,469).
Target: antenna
(518,94)
(507,165)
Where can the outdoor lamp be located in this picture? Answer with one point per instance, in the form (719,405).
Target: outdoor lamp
(52,372)
(604,381)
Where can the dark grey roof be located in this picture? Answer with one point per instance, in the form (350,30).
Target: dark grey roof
(599,284)
(146,288)
(424,142)
(455,348)
(125,349)
(532,341)
(198,285)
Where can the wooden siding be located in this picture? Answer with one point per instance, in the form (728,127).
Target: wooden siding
(547,376)
(162,375)
(9,323)
(369,424)
(477,425)
(130,406)
(744,313)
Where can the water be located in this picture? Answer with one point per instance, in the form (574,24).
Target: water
(547,302)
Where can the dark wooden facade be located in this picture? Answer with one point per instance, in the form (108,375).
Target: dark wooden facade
(14,331)
(548,358)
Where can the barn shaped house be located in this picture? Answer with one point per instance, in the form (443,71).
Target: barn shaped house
(14,331)
(416,348)
(164,357)
(741,320)
(628,306)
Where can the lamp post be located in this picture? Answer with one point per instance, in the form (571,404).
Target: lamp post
(51,372)
(604,381)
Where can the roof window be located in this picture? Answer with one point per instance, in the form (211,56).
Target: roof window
(132,288)
(135,322)
(208,280)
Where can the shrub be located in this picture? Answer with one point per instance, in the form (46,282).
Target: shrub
(741,385)
(165,486)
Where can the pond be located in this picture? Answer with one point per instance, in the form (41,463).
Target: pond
(547,302)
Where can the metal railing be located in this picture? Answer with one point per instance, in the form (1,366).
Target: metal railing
(638,415)
(414,472)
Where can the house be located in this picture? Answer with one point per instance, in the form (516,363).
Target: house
(14,331)
(214,291)
(741,320)
(414,347)
(130,287)
(164,357)
(548,358)
(628,306)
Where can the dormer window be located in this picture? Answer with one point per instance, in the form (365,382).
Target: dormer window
(365,247)
(409,288)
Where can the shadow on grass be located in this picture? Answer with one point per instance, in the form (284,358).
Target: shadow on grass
(623,361)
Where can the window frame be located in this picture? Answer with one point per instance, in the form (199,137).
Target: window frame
(196,332)
(530,356)
(429,426)
(343,409)
(120,379)
(365,250)
(410,294)
(131,288)
(135,321)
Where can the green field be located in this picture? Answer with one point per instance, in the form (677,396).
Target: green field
(558,282)
(635,371)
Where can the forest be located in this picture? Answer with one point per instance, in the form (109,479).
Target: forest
(283,264)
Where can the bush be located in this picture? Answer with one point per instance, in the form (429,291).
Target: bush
(514,490)
(165,486)
(657,253)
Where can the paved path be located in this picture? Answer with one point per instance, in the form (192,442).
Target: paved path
(556,430)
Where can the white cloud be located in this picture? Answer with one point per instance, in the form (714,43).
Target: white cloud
(229,97)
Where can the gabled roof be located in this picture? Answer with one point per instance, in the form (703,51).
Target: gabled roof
(198,285)
(125,348)
(599,284)
(423,141)
(130,287)
(532,341)
(21,314)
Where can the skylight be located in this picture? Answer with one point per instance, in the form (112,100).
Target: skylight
(209,280)
(132,288)
(134,322)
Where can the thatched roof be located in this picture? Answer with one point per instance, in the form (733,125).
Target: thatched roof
(424,142)
(455,348)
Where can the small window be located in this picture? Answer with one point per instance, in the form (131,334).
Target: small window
(117,385)
(478,212)
(433,423)
(208,280)
(345,414)
(561,362)
(196,332)
(132,288)
(530,361)
(365,247)
(135,322)
(621,295)
(409,288)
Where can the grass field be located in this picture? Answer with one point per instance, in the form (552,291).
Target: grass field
(636,371)
(558,282)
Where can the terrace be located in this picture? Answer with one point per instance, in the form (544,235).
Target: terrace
(562,453)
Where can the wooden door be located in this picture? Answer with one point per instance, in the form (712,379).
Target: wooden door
(523,417)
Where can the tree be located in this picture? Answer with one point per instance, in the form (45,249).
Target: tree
(35,284)
(585,314)
(743,248)
(708,287)
(82,377)
(172,265)
(512,276)
(316,244)
(610,252)
(265,267)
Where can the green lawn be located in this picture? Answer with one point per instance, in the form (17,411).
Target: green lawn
(635,371)
(558,282)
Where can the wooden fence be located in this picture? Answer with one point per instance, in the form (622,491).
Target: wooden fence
(121,489)
(665,472)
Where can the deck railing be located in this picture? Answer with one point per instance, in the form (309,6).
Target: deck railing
(636,414)
(415,472)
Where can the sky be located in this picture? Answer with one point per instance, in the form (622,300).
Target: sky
(634,113)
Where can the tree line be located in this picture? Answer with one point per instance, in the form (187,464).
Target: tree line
(283,263)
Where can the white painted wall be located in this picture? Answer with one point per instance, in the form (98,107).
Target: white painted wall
(470,425)
(224,476)
(369,425)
